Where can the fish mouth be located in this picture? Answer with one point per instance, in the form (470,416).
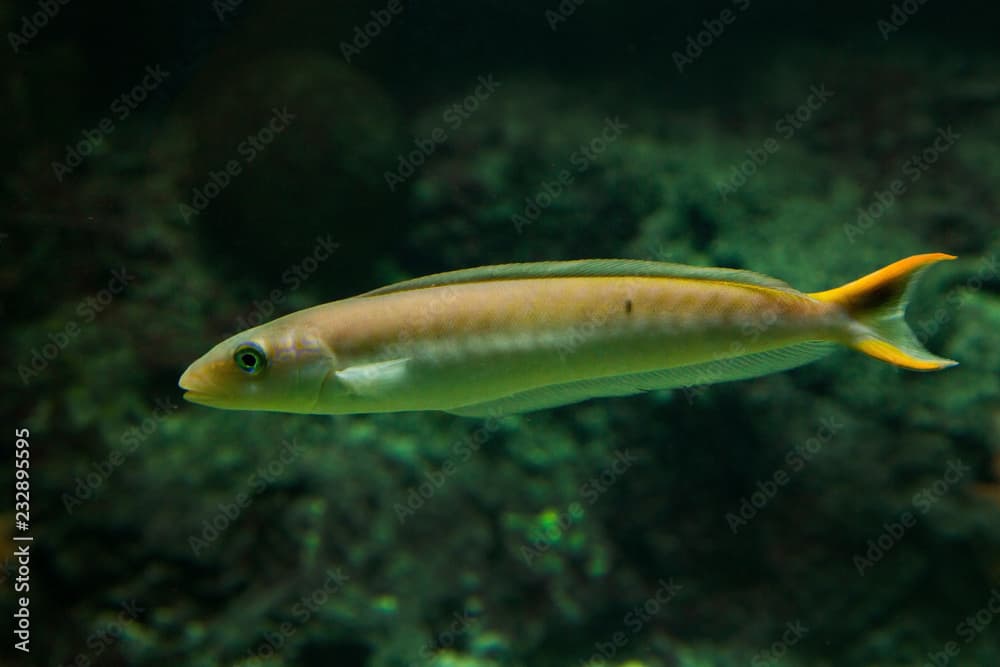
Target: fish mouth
(209,399)
(202,398)
(194,385)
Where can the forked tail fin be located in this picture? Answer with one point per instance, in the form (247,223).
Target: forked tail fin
(877,302)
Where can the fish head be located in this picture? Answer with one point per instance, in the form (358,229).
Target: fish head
(275,368)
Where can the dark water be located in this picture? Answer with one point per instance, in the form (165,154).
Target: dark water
(174,173)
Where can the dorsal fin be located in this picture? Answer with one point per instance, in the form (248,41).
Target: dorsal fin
(589,268)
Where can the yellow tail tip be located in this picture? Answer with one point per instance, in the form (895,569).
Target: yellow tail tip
(903,269)
(876,303)
(886,351)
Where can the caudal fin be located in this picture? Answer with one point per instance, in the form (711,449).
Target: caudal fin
(877,302)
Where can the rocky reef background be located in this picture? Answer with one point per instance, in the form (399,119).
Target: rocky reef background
(173,173)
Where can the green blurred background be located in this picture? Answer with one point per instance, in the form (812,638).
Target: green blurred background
(175,172)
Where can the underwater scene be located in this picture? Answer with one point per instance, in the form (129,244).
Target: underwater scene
(569,333)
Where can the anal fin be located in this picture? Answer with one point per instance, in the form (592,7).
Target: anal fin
(709,372)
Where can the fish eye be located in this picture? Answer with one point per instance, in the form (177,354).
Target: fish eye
(250,358)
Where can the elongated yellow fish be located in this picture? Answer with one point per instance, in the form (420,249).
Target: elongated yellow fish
(518,337)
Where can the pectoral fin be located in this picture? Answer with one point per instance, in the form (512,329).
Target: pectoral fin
(374,379)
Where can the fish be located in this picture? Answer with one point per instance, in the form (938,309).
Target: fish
(513,338)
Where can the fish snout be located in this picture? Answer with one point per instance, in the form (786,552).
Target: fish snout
(198,384)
